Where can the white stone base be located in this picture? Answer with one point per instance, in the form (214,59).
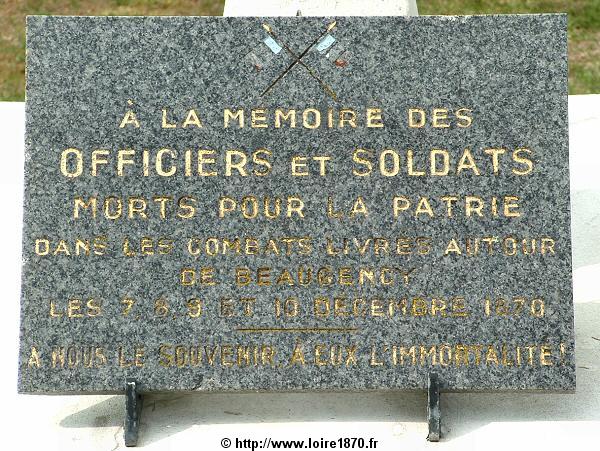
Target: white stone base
(320,7)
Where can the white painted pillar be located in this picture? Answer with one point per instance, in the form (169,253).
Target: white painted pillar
(320,8)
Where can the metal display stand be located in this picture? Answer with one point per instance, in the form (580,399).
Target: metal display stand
(434,415)
(133,411)
(134,402)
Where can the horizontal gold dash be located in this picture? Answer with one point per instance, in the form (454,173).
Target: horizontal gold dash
(297,329)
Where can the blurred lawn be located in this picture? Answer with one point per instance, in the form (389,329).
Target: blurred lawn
(584,28)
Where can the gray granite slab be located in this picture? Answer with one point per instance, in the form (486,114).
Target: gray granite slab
(441,245)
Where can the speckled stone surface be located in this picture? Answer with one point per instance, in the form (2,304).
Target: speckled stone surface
(85,74)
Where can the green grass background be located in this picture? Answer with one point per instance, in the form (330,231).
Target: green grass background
(584,28)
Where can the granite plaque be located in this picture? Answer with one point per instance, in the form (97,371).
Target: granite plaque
(228,204)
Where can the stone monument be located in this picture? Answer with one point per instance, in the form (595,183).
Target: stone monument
(304,203)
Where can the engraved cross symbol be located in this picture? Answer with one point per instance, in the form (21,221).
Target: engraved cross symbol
(298,59)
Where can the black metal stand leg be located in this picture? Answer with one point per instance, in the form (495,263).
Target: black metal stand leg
(433,408)
(133,410)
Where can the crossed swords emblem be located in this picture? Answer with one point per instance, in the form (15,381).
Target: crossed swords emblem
(298,59)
